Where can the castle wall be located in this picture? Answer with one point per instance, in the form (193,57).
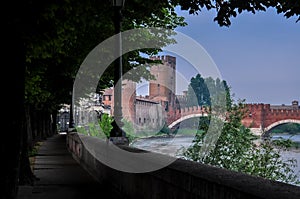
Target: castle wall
(150,116)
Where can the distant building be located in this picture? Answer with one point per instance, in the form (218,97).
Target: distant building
(107,97)
(293,106)
(147,112)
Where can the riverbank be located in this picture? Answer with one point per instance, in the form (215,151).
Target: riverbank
(161,137)
(190,133)
(173,145)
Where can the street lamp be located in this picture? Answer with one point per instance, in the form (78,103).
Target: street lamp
(117,135)
(118,3)
(71,119)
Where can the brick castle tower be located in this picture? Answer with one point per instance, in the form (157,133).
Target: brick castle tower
(163,88)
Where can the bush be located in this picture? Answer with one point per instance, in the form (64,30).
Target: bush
(235,150)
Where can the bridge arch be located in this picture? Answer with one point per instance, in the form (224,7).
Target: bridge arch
(187,117)
(268,128)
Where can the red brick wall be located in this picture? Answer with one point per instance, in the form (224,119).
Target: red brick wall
(261,115)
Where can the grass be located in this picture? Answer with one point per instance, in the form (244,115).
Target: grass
(187,132)
(295,145)
(32,154)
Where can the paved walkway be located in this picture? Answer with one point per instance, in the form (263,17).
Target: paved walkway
(61,176)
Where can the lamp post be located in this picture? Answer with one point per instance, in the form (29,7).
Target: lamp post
(117,135)
(71,119)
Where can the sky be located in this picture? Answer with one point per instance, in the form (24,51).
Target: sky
(258,55)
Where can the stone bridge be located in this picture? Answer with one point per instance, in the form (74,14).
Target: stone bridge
(260,118)
(175,117)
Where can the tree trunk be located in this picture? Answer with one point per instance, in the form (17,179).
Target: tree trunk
(30,140)
(35,125)
(49,124)
(43,123)
(13,89)
(54,122)
(26,176)
(40,125)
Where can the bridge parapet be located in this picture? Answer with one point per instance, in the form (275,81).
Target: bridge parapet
(256,106)
(263,117)
(181,179)
(276,111)
(174,115)
(193,110)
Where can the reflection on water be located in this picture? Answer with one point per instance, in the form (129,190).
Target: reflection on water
(170,146)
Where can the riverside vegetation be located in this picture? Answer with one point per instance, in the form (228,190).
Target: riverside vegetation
(237,150)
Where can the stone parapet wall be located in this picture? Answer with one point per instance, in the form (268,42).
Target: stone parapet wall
(180,180)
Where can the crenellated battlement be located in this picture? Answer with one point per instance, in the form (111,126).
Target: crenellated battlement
(283,111)
(260,106)
(192,110)
(164,58)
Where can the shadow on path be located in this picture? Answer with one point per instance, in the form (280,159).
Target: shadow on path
(60,176)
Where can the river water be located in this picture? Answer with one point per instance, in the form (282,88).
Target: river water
(171,146)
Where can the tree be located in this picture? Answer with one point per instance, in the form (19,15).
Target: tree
(105,124)
(207,91)
(13,99)
(236,150)
(198,93)
(46,42)
(231,8)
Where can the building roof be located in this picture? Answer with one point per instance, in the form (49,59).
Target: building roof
(145,99)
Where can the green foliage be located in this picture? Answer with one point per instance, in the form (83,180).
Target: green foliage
(82,130)
(105,123)
(228,9)
(127,126)
(94,130)
(291,128)
(187,132)
(100,130)
(129,130)
(164,131)
(236,150)
(207,92)
(34,151)
(91,129)
(198,93)
(266,161)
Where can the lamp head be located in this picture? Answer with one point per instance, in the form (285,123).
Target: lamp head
(118,3)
